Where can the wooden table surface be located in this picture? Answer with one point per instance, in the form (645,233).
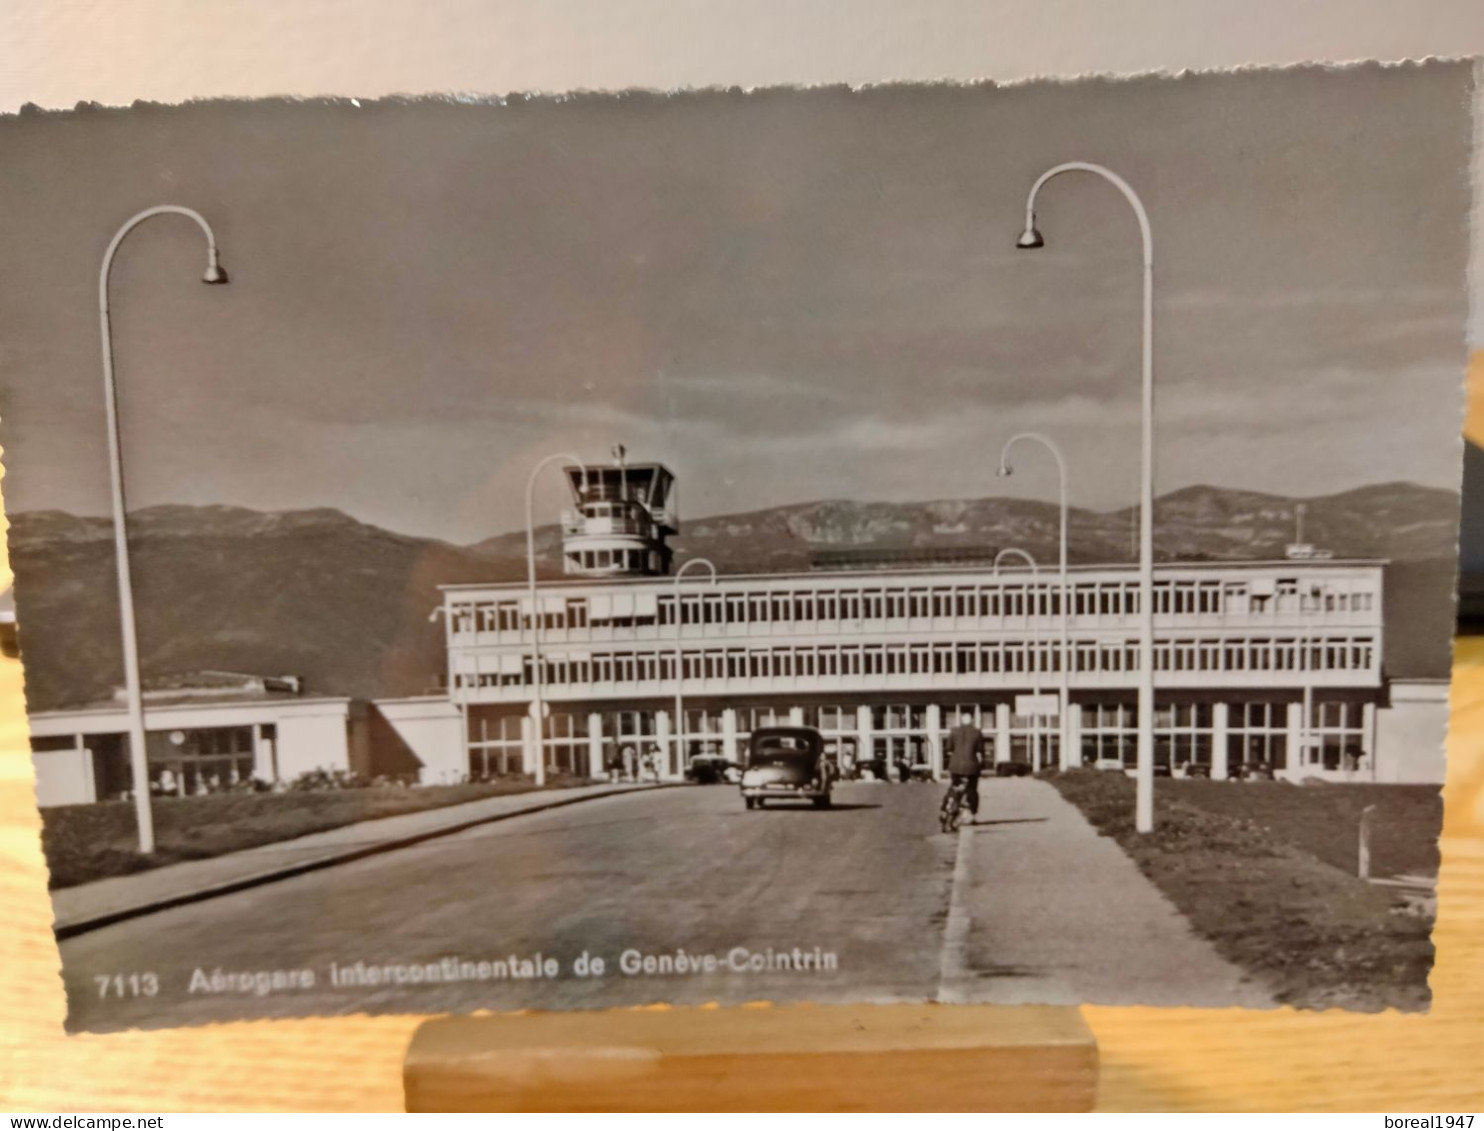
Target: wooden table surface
(1189,1060)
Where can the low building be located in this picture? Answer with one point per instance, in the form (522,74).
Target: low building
(204,732)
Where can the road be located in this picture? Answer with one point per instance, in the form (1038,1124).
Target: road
(675,871)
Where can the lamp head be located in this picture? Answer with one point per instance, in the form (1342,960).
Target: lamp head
(1004,471)
(215,275)
(1030,239)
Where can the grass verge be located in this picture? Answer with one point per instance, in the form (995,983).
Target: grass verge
(1246,871)
(92,842)
(1325,819)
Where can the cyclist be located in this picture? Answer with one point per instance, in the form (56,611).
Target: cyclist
(966,760)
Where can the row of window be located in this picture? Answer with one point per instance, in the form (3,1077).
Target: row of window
(827,661)
(1256,731)
(634,561)
(995,601)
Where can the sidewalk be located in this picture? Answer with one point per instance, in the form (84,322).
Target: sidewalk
(1057,914)
(88,906)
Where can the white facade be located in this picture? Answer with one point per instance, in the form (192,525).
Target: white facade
(430,728)
(1409,733)
(1267,662)
(81,756)
(65,776)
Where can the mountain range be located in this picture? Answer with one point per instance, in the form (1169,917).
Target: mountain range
(346,604)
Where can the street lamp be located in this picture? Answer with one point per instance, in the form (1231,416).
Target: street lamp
(1031,238)
(538,706)
(1006,470)
(138,756)
(679,765)
(1016,552)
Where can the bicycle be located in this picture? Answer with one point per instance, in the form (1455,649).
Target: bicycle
(951,812)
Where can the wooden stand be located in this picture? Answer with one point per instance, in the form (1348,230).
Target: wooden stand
(783,1058)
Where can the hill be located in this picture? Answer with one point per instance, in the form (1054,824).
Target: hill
(313,593)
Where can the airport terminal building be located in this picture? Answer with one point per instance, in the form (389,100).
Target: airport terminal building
(1271,663)
(1278,663)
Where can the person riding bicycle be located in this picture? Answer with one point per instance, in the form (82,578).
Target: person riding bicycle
(966,759)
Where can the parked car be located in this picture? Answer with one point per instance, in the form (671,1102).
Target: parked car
(786,763)
(1012,769)
(1251,771)
(1195,770)
(708,769)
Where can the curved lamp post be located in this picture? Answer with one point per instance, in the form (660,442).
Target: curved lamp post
(679,765)
(1016,552)
(538,705)
(1031,238)
(138,757)
(1006,469)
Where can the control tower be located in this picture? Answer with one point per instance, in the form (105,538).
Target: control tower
(621,515)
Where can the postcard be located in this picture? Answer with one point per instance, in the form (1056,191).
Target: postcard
(923,542)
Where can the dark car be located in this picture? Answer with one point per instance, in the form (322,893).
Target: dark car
(1252,771)
(786,763)
(708,769)
(1012,769)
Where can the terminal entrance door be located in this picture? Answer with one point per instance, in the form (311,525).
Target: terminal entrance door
(841,731)
(627,737)
(899,746)
(897,757)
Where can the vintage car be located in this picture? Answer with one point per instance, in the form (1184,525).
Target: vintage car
(1251,771)
(708,769)
(786,763)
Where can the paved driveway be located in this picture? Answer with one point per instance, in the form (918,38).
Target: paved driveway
(676,870)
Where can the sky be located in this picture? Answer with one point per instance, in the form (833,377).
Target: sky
(784,295)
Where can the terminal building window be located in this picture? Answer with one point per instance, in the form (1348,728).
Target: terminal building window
(1109,734)
(1336,736)
(204,760)
(1257,732)
(496,748)
(979,602)
(750,719)
(1182,734)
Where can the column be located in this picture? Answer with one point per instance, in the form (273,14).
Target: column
(1002,732)
(935,740)
(1220,722)
(796,716)
(1296,753)
(1368,741)
(528,751)
(1071,747)
(85,759)
(595,746)
(262,755)
(662,737)
(865,749)
(729,735)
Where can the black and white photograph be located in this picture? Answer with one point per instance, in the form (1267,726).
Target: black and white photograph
(944,542)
